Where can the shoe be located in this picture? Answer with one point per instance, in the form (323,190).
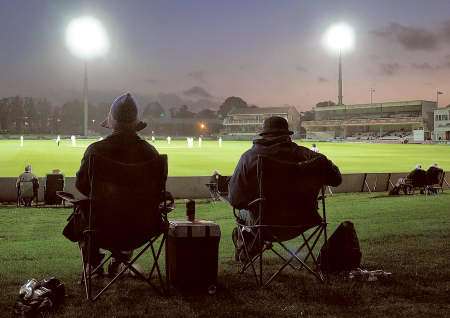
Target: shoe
(116,266)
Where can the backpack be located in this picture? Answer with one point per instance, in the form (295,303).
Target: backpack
(341,252)
(39,298)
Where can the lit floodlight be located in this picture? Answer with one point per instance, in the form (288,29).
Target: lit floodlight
(86,38)
(339,37)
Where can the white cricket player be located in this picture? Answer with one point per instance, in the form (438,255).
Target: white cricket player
(220,141)
(153,138)
(21,141)
(199,142)
(58,140)
(169,140)
(190,141)
(73,139)
(314,148)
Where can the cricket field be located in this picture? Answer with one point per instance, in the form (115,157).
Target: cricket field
(45,155)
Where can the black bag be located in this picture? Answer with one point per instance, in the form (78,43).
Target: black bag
(342,251)
(42,298)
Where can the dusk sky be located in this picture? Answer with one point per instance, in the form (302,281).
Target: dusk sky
(270,53)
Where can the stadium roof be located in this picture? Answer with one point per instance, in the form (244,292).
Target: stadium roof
(260,110)
(374,105)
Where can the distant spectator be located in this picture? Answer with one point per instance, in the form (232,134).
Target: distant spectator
(434,177)
(417,177)
(27,180)
(53,182)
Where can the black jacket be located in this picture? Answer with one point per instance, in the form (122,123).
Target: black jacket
(243,183)
(125,147)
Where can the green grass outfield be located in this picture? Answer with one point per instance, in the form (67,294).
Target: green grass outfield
(44,155)
(406,235)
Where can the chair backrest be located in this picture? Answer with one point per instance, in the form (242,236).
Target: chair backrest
(26,189)
(289,192)
(435,176)
(222,184)
(53,183)
(125,200)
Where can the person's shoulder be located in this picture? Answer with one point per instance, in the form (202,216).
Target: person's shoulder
(147,145)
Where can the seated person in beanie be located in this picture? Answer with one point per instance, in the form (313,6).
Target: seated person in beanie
(417,177)
(275,142)
(122,145)
(434,173)
(28,176)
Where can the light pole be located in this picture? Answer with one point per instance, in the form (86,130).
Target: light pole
(438,92)
(86,38)
(339,38)
(371,95)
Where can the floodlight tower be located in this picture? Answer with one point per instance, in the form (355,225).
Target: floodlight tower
(339,38)
(86,38)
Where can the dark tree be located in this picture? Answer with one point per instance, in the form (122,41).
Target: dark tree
(154,110)
(206,113)
(183,112)
(72,117)
(16,113)
(231,103)
(30,118)
(43,115)
(4,114)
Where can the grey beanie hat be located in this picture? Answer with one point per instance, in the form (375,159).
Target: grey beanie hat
(124,112)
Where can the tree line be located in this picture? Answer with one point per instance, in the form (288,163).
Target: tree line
(28,115)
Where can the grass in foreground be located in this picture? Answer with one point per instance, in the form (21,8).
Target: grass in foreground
(44,155)
(408,235)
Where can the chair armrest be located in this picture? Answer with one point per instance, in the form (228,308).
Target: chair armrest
(256,201)
(69,197)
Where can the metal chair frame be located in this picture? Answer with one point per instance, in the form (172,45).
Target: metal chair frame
(89,234)
(308,241)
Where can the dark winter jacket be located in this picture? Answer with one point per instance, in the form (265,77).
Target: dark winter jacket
(125,147)
(317,168)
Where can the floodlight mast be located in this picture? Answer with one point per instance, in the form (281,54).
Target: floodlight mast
(85,100)
(339,38)
(86,38)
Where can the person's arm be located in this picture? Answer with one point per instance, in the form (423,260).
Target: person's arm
(318,165)
(82,178)
(239,188)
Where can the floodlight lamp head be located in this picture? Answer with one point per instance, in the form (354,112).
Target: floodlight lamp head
(86,37)
(339,37)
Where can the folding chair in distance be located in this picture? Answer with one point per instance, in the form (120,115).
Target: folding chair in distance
(436,183)
(25,193)
(219,188)
(126,210)
(286,209)
(53,184)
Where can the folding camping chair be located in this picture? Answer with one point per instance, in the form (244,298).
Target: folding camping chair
(436,182)
(286,208)
(126,210)
(25,193)
(219,188)
(53,183)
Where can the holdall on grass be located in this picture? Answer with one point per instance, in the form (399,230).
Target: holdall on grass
(342,251)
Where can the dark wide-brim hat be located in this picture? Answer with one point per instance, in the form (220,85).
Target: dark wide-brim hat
(123,113)
(275,125)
